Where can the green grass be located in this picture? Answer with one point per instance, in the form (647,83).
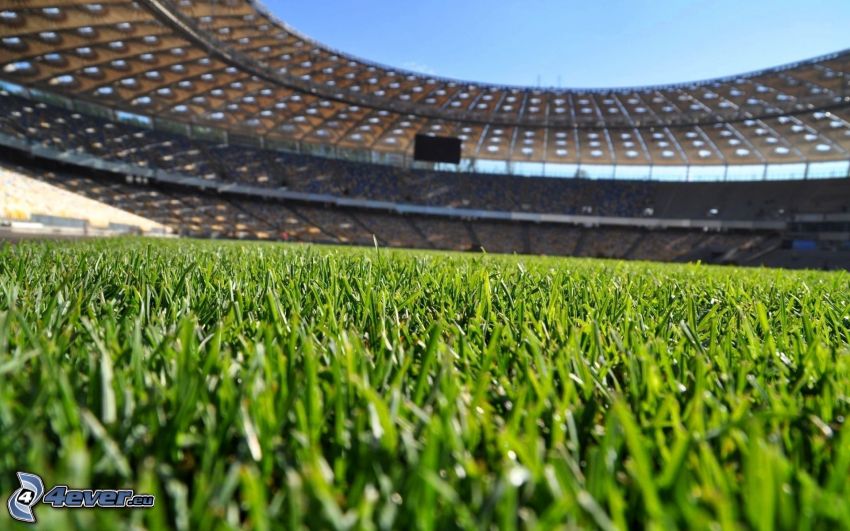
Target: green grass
(267,386)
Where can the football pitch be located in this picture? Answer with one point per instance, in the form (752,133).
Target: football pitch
(266,386)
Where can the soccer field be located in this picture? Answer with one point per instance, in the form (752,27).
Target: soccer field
(263,386)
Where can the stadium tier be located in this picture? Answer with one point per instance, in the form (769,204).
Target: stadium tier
(195,213)
(761,214)
(28,201)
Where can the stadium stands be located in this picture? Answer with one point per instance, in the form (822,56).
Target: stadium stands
(184,90)
(73,132)
(195,213)
(198,214)
(24,199)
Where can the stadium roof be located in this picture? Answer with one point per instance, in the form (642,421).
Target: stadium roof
(230,64)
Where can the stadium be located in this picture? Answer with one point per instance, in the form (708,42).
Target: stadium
(530,356)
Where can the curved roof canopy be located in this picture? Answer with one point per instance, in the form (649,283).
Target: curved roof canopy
(230,64)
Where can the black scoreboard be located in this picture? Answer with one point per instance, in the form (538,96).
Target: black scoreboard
(437,149)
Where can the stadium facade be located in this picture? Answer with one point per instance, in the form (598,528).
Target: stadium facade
(205,104)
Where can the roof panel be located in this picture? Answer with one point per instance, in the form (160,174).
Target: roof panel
(239,67)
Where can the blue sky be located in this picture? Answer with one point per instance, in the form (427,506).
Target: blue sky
(570,43)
